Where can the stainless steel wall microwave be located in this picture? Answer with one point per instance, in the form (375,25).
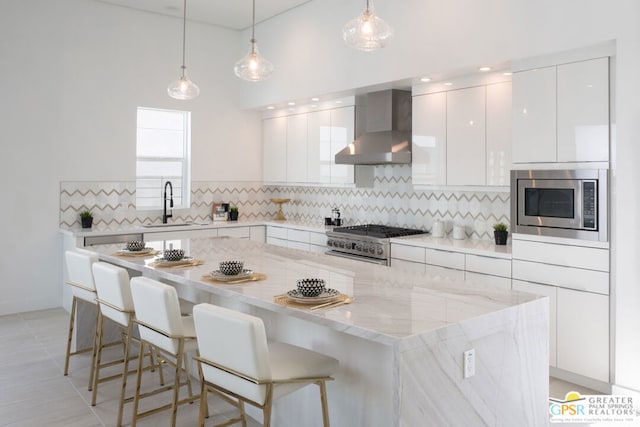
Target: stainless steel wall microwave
(561,203)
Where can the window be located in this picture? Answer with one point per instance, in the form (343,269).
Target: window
(163,153)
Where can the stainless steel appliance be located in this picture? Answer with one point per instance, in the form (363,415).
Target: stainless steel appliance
(562,203)
(367,242)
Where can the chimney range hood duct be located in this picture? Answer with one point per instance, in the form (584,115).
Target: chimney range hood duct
(383,129)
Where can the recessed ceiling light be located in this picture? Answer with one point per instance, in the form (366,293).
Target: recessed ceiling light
(315,99)
(292,109)
(448,84)
(507,73)
(425,79)
(291,103)
(270,107)
(338,102)
(484,69)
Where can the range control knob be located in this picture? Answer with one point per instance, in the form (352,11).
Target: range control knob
(372,249)
(379,250)
(359,247)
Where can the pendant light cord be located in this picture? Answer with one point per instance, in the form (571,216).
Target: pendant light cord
(184,35)
(253,28)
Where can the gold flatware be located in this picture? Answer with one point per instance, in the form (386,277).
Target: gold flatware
(332,304)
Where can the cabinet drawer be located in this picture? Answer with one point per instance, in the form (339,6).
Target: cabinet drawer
(415,267)
(277,242)
(488,265)
(298,245)
(277,232)
(239,232)
(319,239)
(487,281)
(570,256)
(298,235)
(444,259)
(443,273)
(408,253)
(565,277)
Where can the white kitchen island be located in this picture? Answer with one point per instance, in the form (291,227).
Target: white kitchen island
(400,343)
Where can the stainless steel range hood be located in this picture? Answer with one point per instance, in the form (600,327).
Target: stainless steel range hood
(383,129)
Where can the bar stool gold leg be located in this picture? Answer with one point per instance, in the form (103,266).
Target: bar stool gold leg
(72,318)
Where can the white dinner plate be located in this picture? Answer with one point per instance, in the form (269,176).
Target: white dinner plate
(140,252)
(217,275)
(326,296)
(161,261)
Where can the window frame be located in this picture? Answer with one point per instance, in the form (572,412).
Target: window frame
(185,160)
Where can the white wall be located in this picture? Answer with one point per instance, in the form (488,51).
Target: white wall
(434,37)
(73,73)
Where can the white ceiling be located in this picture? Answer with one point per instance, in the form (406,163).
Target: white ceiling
(235,14)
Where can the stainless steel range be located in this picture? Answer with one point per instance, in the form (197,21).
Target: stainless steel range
(367,242)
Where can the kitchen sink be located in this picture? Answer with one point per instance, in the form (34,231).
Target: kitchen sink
(171,224)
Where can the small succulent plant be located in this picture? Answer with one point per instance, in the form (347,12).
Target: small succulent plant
(501,226)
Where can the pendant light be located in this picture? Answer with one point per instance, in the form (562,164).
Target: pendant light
(367,31)
(253,67)
(183,88)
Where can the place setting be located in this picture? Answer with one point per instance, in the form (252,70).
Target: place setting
(312,294)
(174,258)
(136,248)
(233,271)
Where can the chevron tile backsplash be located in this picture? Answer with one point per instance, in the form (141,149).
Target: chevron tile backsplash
(391,201)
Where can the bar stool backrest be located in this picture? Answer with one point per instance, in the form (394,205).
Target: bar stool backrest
(156,304)
(236,341)
(80,273)
(113,287)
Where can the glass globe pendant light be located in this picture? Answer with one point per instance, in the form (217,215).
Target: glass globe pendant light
(367,31)
(253,67)
(183,88)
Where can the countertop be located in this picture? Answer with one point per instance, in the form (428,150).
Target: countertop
(469,246)
(389,304)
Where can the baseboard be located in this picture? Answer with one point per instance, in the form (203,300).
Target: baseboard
(593,384)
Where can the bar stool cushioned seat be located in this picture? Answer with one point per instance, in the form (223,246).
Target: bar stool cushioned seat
(237,361)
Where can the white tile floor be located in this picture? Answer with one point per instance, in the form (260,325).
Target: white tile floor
(34,391)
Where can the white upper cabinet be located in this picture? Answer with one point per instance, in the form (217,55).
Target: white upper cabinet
(300,148)
(462,137)
(466,136)
(342,134)
(429,150)
(561,113)
(534,116)
(583,111)
(319,157)
(498,134)
(297,148)
(274,150)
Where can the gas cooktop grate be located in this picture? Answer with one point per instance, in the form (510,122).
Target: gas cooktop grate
(380,231)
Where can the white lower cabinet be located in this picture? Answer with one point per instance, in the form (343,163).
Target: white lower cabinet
(551,292)
(583,333)
(576,278)
(297,239)
(487,281)
(237,232)
(258,233)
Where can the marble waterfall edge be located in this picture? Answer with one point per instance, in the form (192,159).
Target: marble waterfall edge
(510,386)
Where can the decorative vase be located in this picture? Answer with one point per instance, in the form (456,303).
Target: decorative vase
(233,215)
(86,222)
(500,237)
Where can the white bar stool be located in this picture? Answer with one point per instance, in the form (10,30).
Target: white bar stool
(116,303)
(83,288)
(248,369)
(161,325)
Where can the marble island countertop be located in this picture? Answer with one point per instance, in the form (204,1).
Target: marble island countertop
(400,343)
(388,302)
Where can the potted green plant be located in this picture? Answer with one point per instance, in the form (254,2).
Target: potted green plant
(86,218)
(500,233)
(233,213)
